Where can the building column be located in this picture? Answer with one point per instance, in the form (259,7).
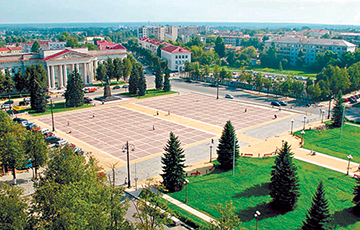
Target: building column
(65,75)
(52,77)
(60,76)
(85,74)
(48,77)
(72,67)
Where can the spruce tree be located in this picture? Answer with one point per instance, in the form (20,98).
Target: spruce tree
(225,149)
(74,94)
(40,105)
(318,216)
(173,165)
(141,81)
(35,47)
(356,199)
(337,112)
(134,76)
(284,183)
(167,86)
(158,77)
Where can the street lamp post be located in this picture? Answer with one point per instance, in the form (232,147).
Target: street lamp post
(302,136)
(234,154)
(217,89)
(186,182)
(257,214)
(126,147)
(211,146)
(304,121)
(348,168)
(323,114)
(52,116)
(292,125)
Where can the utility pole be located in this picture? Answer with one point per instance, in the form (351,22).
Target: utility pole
(52,116)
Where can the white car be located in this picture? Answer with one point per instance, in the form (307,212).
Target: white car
(61,143)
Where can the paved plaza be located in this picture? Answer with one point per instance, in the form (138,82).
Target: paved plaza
(215,112)
(108,129)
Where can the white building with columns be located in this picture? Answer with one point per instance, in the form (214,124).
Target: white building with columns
(59,63)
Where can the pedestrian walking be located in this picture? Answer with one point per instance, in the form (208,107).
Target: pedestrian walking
(157,113)
(68,123)
(245,110)
(93,115)
(169,112)
(125,182)
(212,141)
(153,127)
(275,116)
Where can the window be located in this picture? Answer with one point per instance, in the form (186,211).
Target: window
(176,57)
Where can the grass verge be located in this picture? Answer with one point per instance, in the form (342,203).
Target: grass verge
(149,93)
(58,107)
(249,191)
(329,141)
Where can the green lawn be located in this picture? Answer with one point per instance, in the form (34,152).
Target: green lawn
(249,191)
(111,83)
(294,72)
(149,93)
(58,107)
(329,141)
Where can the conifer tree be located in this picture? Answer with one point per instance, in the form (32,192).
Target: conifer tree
(141,81)
(40,105)
(356,199)
(74,94)
(173,165)
(337,112)
(225,149)
(167,86)
(158,77)
(284,183)
(134,76)
(318,215)
(35,47)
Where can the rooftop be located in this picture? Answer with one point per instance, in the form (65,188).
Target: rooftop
(311,41)
(175,49)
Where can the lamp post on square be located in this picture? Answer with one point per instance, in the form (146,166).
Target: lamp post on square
(292,125)
(304,121)
(348,168)
(126,147)
(186,182)
(211,146)
(323,114)
(257,214)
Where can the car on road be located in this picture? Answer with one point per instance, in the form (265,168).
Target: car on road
(10,102)
(275,103)
(47,97)
(19,120)
(229,96)
(125,86)
(61,143)
(117,87)
(6,106)
(282,103)
(24,103)
(52,139)
(87,100)
(30,126)
(188,80)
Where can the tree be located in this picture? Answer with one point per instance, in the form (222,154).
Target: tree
(133,81)
(8,84)
(158,79)
(167,86)
(318,215)
(36,150)
(220,47)
(20,82)
(35,47)
(228,220)
(101,73)
(12,152)
(118,70)
(173,165)
(338,110)
(141,83)
(12,208)
(356,199)
(225,149)
(284,183)
(127,67)
(150,209)
(36,82)
(110,68)
(74,94)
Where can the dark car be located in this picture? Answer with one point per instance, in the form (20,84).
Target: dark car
(125,86)
(229,96)
(357,96)
(87,100)
(24,103)
(31,126)
(52,139)
(19,120)
(283,103)
(10,102)
(275,103)
(116,87)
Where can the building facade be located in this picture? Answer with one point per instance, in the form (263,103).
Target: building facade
(147,31)
(176,57)
(151,44)
(290,47)
(60,63)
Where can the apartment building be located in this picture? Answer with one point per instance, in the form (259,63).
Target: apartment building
(289,47)
(176,57)
(157,31)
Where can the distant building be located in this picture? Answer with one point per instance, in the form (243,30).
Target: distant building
(91,39)
(232,39)
(289,47)
(147,31)
(10,50)
(176,57)
(56,45)
(59,63)
(26,47)
(151,44)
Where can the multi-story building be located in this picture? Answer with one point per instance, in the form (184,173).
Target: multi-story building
(150,44)
(56,45)
(147,31)
(176,57)
(10,50)
(289,47)
(59,63)
(232,40)
(26,47)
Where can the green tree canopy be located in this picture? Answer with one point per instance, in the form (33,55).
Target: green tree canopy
(74,93)
(220,47)
(338,110)
(35,47)
(225,149)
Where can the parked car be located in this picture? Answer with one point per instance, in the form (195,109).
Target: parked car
(352,100)
(346,100)
(47,97)
(9,102)
(116,87)
(19,120)
(125,86)
(61,143)
(52,139)
(87,100)
(30,126)
(6,106)
(275,103)
(283,103)
(24,103)
(229,96)
(357,96)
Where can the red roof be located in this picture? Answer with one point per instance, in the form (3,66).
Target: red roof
(4,49)
(111,47)
(102,42)
(15,48)
(152,41)
(175,49)
(55,55)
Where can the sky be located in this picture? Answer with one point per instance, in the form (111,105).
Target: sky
(293,11)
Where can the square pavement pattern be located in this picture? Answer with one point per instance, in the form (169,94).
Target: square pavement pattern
(212,111)
(113,126)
